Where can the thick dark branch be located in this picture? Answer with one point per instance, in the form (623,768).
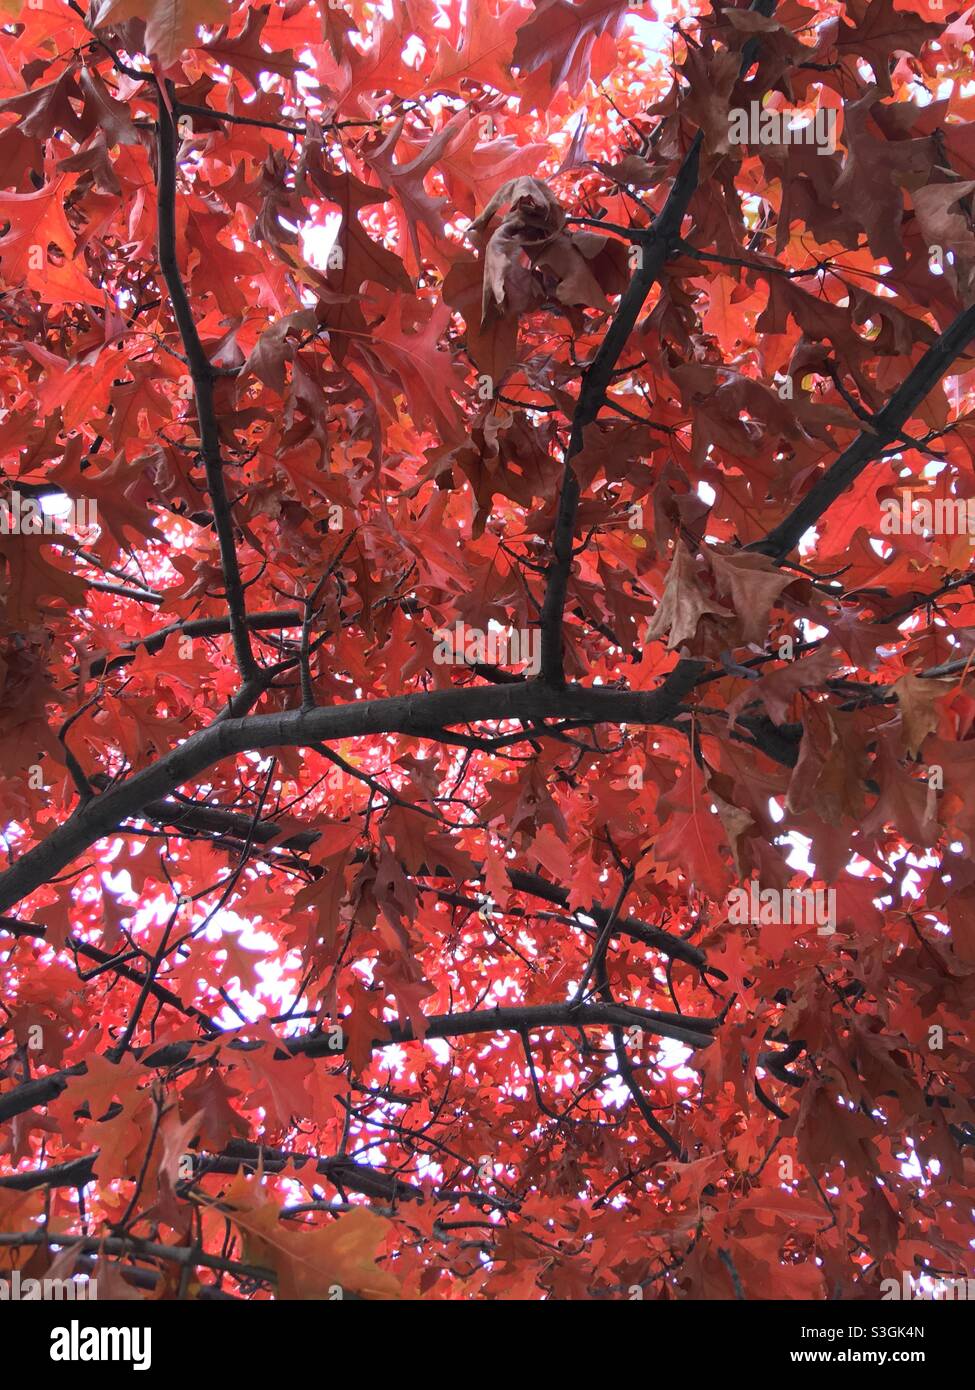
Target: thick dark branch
(886,427)
(693,1032)
(202,374)
(658,245)
(195,627)
(422,715)
(357,1177)
(185,1255)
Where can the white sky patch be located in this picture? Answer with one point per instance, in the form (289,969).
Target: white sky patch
(807,541)
(318,238)
(273,989)
(653,34)
(55,504)
(798,856)
(670,1055)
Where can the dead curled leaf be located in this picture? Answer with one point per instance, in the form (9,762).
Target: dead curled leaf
(531,256)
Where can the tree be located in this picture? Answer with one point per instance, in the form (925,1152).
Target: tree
(488,754)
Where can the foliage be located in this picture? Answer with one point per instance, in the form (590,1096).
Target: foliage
(338,963)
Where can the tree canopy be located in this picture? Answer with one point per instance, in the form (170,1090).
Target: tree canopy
(486,621)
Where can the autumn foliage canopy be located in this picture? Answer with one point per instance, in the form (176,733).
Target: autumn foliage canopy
(483,576)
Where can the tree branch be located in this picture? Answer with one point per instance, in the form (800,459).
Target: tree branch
(202,375)
(420,715)
(658,243)
(887,426)
(693,1032)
